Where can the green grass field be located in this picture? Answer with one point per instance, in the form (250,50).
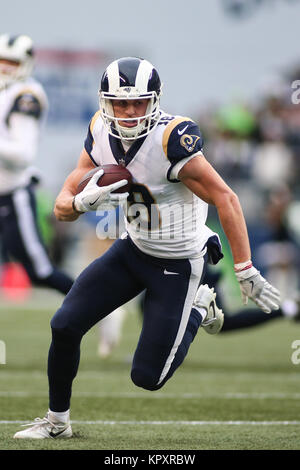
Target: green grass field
(234,391)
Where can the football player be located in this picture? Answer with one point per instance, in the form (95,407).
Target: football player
(165,247)
(23,108)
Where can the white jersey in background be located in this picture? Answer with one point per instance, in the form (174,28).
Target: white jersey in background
(23,109)
(164,218)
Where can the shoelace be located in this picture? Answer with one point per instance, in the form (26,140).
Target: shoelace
(44,420)
(38,421)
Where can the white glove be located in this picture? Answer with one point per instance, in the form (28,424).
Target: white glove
(94,197)
(256,288)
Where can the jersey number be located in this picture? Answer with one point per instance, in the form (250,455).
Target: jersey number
(142,208)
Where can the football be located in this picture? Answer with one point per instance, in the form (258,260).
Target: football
(112,174)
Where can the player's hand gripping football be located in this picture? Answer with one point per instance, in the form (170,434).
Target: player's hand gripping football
(94,197)
(255,287)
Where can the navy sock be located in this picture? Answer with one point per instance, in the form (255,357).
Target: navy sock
(57,280)
(248,318)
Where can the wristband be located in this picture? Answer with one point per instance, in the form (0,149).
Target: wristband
(243,266)
(246,273)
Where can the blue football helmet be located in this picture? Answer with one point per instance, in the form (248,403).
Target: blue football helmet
(130,78)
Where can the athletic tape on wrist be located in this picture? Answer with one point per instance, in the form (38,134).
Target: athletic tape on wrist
(243,266)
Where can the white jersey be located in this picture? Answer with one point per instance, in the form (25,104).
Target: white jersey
(23,107)
(164,218)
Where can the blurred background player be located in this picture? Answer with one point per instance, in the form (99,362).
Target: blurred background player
(23,110)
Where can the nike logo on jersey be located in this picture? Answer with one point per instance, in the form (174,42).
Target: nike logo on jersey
(169,272)
(180,132)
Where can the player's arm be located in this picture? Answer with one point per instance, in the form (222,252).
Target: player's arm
(201,178)
(19,147)
(64,208)
(69,205)
(182,143)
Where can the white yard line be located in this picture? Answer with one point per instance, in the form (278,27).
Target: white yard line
(181,396)
(180,423)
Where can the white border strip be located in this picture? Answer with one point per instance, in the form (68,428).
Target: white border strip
(179,423)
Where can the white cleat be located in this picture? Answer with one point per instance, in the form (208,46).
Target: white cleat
(45,428)
(205,298)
